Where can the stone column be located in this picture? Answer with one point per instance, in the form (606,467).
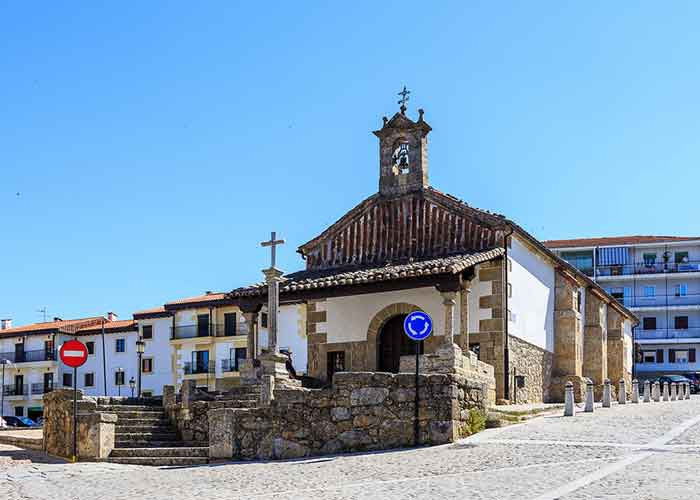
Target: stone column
(251,321)
(616,346)
(273,276)
(464,319)
(448,300)
(595,340)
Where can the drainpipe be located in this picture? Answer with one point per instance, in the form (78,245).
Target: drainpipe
(506,350)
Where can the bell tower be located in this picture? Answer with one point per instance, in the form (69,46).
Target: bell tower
(403,152)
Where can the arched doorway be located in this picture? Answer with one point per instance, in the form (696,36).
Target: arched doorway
(394,343)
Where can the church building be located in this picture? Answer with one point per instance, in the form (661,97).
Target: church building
(490,287)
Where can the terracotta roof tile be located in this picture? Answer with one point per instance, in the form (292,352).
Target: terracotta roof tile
(199,298)
(69,324)
(616,240)
(308,280)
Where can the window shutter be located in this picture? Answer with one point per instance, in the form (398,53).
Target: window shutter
(691,355)
(659,355)
(671,356)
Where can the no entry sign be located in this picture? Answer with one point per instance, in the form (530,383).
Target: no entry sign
(73,353)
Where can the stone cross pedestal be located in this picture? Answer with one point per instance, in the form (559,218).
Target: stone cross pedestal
(589,398)
(607,394)
(647,390)
(635,391)
(569,406)
(657,392)
(621,394)
(666,395)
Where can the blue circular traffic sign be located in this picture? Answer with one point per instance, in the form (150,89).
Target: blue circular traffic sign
(418,325)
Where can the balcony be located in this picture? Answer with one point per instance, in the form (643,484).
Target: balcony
(203,330)
(667,367)
(661,301)
(199,367)
(40,388)
(28,356)
(16,390)
(645,268)
(668,333)
(232,365)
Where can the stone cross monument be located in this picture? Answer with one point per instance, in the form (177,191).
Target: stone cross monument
(273,276)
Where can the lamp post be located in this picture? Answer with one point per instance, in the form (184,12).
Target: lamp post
(120,379)
(132,384)
(140,344)
(3,362)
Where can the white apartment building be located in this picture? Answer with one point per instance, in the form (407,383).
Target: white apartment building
(658,278)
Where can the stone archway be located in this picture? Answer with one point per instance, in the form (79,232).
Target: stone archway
(376,325)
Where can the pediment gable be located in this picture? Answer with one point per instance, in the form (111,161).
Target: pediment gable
(419,225)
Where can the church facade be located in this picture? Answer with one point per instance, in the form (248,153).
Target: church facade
(493,290)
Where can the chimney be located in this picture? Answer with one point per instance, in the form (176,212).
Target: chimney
(111,316)
(56,318)
(5,324)
(208,292)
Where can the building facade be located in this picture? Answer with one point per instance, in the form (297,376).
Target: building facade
(657,277)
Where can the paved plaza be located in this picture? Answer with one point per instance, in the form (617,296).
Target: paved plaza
(642,451)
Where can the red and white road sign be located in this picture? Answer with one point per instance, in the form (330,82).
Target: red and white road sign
(73,353)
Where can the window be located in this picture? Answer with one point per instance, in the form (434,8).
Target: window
(200,362)
(119,378)
(583,260)
(147,365)
(90,346)
(691,355)
(681,356)
(229,324)
(89,379)
(681,257)
(680,322)
(237,356)
(202,325)
(510,289)
(19,411)
(659,355)
(649,323)
(476,349)
(579,300)
(120,345)
(263,320)
(649,259)
(67,380)
(681,290)
(649,291)
(336,362)
(147,332)
(649,356)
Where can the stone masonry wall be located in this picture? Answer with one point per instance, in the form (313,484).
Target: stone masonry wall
(361,411)
(535,364)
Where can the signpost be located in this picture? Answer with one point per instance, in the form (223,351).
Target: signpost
(418,326)
(74,354)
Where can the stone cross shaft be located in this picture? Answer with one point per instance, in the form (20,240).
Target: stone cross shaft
(273,276)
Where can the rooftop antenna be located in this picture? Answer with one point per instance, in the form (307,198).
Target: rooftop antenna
(43,311)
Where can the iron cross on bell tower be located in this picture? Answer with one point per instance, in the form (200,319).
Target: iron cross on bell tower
(404,99)
(273,276)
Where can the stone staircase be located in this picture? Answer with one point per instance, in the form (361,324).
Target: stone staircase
(144,436)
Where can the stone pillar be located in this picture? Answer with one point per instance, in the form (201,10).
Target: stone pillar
(595,340)
(251,321)
(464,319)
(616,345)
(448,300)
(589,398)
(647,391)
(187,390)
(169,398)
(607,394)
(666,395)
(621,393)
(656,392)
(569,406)
(273,276)
(221,433)
(635,391)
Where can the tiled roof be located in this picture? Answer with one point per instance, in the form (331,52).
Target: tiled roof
(616,240)
(308,280)
(207,297)
(152,312)
(110,326)
(69,324)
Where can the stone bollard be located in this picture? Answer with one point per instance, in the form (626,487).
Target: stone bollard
(647,391)
(569,407)
(606,393)
(674,391)
(665,391)
(589,398)
(657,391)
(687,390)
(635,391)
(621,394)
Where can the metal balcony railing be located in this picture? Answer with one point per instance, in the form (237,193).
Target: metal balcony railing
(28,356)
(232,365)
(16,390)
(202,330)
(40,388)
(672,299)
(667,333)
(648,268)
(199,367)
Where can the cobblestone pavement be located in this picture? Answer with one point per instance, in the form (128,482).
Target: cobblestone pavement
(644,451)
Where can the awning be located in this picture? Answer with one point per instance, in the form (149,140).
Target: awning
(614,256)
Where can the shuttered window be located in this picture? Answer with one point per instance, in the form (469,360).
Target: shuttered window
(659,355)
(671,355)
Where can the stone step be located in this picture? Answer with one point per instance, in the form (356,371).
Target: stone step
(142,421)
(128,408)
(159,444)
(152,428)
(136,414)
(144,436)
(173,451)
(159,461)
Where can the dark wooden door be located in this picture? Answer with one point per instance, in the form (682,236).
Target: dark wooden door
(390,341)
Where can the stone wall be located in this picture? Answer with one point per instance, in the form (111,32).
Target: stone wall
(361,411)
(535,364)
(95,429)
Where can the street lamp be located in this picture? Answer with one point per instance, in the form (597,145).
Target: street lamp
(132,384)
(140,345)
(120,380)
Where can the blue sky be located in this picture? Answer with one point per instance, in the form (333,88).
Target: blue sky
(154,145)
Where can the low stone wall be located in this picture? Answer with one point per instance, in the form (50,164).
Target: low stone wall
(535,364)
(95,429)
(361,411)
(30,443)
